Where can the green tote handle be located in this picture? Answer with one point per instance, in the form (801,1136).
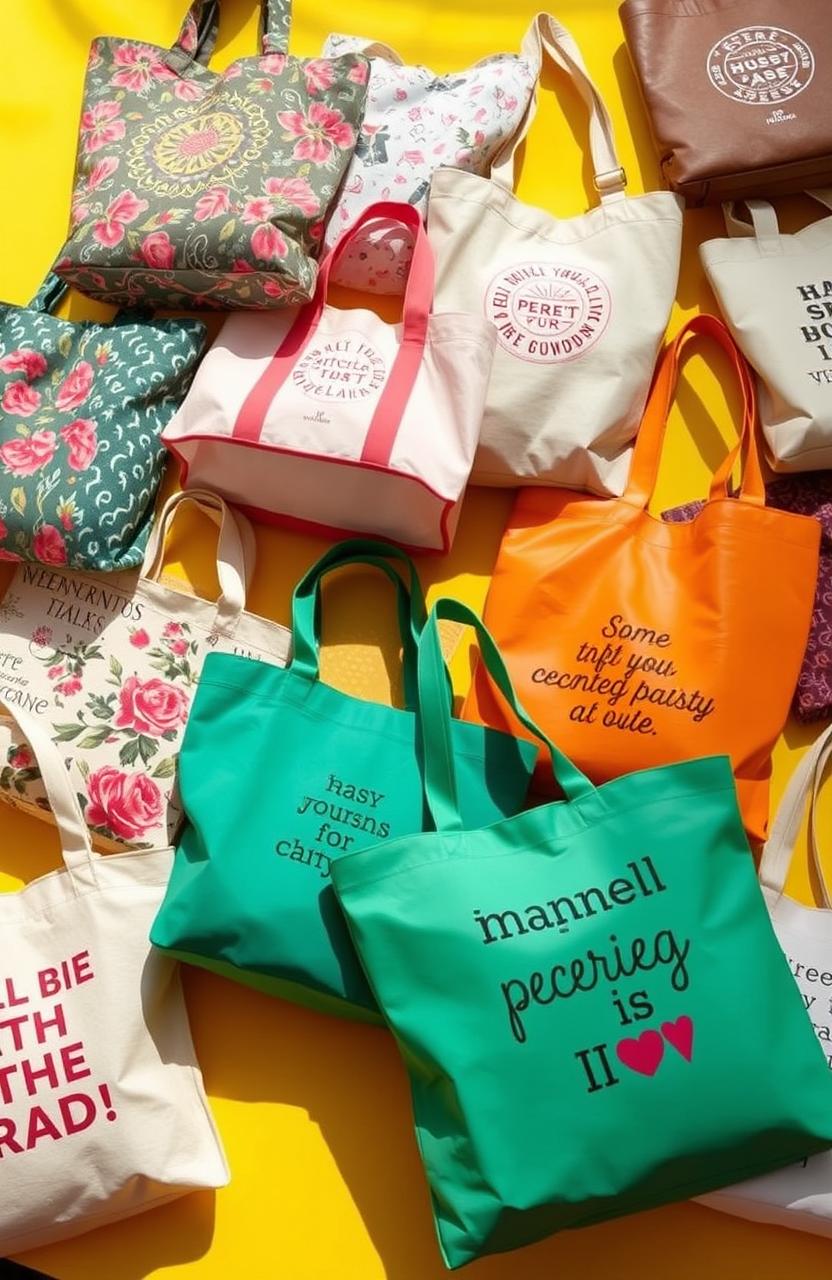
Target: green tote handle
(434,716)
(200,26)
(306,606)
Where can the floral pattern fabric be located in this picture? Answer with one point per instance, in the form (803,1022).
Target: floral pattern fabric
(198,189)
(415,121)
(82,408)
(804,495)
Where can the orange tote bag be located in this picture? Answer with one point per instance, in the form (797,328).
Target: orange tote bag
(635,643)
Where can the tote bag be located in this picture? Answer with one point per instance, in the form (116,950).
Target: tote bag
(643,643)
(102,1109)
(801,1195)
(775,291)
(82,407)
(337,421)
(579,304)
(583,994)
(195,188)
(416,120)
(250,894)
(109,668)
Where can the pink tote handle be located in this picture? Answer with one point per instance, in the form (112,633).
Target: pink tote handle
(418,300)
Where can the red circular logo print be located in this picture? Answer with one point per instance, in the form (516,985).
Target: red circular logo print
(547,312)
(342,368)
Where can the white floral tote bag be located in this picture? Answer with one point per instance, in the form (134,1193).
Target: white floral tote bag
(104,1113)
(110,665)
(415,120)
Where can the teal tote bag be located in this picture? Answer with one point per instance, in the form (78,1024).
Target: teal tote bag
(592,1006)
(279,776)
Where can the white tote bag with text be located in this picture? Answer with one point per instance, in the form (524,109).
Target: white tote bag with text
(579,304)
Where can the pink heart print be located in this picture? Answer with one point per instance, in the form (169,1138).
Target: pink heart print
(680,1035)
(642,1054)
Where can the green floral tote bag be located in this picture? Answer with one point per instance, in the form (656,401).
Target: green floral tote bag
(82,408)
(590,1000)
(194,188)
(250,894)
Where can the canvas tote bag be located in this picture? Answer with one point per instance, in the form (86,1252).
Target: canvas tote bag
(195,188)
(799,1196)
(82,407)
(583,994)
(639,642)
(250,894)
(109,667)
(579,304)
(416,120)
(102,1109)
(338,421)
(775,291)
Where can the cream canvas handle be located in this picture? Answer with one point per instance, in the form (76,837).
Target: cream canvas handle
(236,550)
(805,783)
(548,37)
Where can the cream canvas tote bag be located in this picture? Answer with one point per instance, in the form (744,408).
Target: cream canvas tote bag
(775,291)
(109,665)
(102,1109)
(579,304)
(800,1195)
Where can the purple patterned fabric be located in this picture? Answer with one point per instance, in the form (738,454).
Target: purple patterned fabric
(809,494)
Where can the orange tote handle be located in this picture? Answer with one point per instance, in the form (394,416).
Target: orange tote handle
(647,453)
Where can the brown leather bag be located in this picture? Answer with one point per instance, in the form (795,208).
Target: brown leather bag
(739,93)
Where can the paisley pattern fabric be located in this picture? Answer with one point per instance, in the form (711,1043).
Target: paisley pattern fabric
(805,495)
(198,189)
(82,407)
(416,120)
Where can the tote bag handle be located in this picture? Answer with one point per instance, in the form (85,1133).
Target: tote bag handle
(439,771)
(306,606)
(418,300)
(236,551)
(50,294)
(200,26)
(805,783)
(76,846)
(644,469)
(547,36)
(763,224)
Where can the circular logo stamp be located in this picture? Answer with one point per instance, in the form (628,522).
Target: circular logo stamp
(761,65)
(547,312)
(340,369)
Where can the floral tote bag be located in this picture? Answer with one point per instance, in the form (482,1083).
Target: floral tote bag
(110,667)
(414,121)
(194,188)
(82,407)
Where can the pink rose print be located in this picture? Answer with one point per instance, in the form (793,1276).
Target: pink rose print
(210,205)
(414,158)
(82,441)
(415,113)
(23,456)
(154,707)
(273,63)
(69,687)
(316,230)
(125,208)
(172,629)
(20,399)
(75,387)
(189,35)
(400,95)
(94,60)
(8,555)
(48,545)
(179,647)
(54,672)
(99,126)
(128,805)
(21,759)
(157,250)
(320,131)
(65,518)
(273,288)
(78,214)
(139,639)
(30,363)
(267,243)
(101,172)
(358,74)
(259,210)
(239,266)
(319,74)
(41,635)
(138,66)
(294,191)
(188,90)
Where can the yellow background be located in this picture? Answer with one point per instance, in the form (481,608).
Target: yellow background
(314,1113)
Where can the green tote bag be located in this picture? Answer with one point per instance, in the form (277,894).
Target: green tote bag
(591,1003)
(280,775)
